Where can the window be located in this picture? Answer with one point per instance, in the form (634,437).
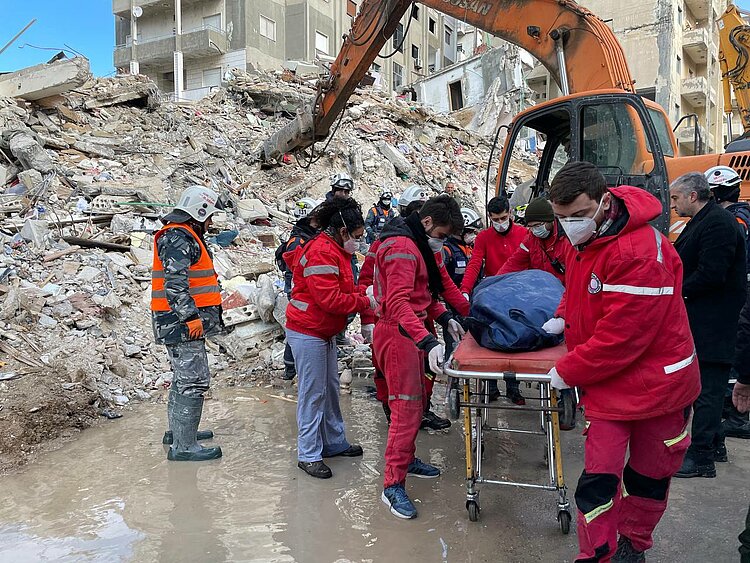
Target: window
(415,12)
(398,76)
(414,52)
(448,34)
(321,42)
(662,131)
(213,22)
(609,138)
(432,26)
(398,38)
(375,67)
(268,28)
(212,77)
(456,95)
(351,8)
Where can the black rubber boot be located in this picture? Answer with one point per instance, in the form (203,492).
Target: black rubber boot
(168,438)
(626,553)
(185,416)
(694,467)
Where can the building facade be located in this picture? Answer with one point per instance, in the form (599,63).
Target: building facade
(672,49)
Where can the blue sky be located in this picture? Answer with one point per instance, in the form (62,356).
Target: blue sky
(85,25)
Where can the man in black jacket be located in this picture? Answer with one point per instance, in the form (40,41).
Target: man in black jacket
(741,400)
(712,249)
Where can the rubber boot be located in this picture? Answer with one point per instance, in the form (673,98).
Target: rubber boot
(186,415)
(168,438)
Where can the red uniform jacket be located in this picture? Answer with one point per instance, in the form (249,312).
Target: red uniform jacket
(491,249)
(630,347)
(324,293)
(451,293)
(538,254)
(401,285)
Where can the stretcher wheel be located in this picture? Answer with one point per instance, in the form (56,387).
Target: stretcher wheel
(473,509)
(568,414)
(564,518)
(453,402)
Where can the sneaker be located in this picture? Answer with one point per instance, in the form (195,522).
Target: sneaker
(720,453)
(516,398)
(316,469)
(354,450)
(398,502)
(736,428)
(626,553)
(434,422)
(691,468)
(419,468)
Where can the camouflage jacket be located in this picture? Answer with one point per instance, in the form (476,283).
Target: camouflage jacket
(178,250)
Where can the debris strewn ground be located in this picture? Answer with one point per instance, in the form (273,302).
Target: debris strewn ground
(84,178)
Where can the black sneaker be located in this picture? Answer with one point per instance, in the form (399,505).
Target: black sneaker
(626,553)
(516,398)
(734,428)
(354,450)
(316,469)
(691,468)
(434,422)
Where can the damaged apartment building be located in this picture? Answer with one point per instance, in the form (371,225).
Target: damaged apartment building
(186,46)
(672,48)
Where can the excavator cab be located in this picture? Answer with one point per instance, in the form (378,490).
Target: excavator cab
(614,130)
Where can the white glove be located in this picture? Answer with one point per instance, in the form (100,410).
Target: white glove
(466,296)
(557,381)
(367,331)
(555,325)
(456,330)
(435,359)
(373,302)
(370,291)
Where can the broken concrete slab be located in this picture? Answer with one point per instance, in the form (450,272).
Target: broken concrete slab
(30,153)
(395,157)
(45,80)
(35,232)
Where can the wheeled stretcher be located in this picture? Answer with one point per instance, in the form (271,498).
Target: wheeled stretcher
(473,366)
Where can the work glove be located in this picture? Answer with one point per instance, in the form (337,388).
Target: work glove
(435,359)
(367,331)
(555,325)
(466,296)
(195,328)
(455,329)
(557,381)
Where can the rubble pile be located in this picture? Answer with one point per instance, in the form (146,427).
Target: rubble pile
(85,176)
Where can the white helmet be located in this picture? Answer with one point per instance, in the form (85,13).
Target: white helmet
(386,193)
(413,193)
(471,219)
(303,207)
(199,202)
(342,181)
(724,183)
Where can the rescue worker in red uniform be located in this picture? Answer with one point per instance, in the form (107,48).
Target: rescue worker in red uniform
(411,201)
(545,246)
(631,353)
(407,286)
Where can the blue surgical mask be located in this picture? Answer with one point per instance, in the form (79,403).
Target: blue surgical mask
(540,231)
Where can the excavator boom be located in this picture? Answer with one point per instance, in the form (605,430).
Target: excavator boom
(734,56)
(553,31)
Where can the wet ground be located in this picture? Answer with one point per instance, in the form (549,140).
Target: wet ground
(112,496)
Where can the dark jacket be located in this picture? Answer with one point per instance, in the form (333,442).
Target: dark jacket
(301,233)
(376,219)
(178,250)
(712,250)
(741,212)
(456,257)
(742,357)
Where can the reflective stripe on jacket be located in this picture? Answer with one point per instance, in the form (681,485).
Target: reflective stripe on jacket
(202,279)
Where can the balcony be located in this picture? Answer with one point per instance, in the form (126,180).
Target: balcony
(700,8)
(695,90)
(122,7)
(695,44)
(158,51)
(686,137)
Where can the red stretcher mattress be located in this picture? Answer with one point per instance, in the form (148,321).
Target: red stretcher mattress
(470,356)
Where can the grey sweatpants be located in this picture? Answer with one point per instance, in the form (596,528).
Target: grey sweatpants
(321,426)
(189,367)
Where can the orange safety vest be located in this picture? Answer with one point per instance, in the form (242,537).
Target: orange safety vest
(202,279)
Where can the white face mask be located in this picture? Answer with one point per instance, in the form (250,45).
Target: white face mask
(501,226)
(352,245)
(540,231)
(580,229)
(436,244)
(470,238)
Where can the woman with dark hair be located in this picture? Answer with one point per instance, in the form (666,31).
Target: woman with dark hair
(323,295)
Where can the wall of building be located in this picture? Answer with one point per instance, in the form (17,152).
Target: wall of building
(261,51)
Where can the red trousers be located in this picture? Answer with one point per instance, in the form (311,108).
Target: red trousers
(381,386)
(402,363)
(627,499)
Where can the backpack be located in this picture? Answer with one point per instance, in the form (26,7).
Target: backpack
(279,257)
(508,311)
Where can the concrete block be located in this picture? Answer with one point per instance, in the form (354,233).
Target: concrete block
(35,232)
(45,80)
(395,157)
(31,154)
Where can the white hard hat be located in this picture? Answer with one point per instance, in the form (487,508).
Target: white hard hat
(343,181)
(471,219)
(386,192)
(303,207)
(199,202)
(722,176)
(413,193)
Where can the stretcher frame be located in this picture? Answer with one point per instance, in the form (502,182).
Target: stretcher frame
(476,402)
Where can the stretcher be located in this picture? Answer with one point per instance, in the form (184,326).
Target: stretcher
(472,367)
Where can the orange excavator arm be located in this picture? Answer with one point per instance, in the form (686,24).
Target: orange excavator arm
(578,48)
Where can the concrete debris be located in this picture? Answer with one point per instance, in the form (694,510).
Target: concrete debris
(46,80)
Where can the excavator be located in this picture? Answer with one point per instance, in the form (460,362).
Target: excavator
(599,118)
(734,55)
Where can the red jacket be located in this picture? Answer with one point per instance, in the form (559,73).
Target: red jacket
(630,347)
(401,284)
(323,294)
(491,250)
(538,254)
(451,294)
